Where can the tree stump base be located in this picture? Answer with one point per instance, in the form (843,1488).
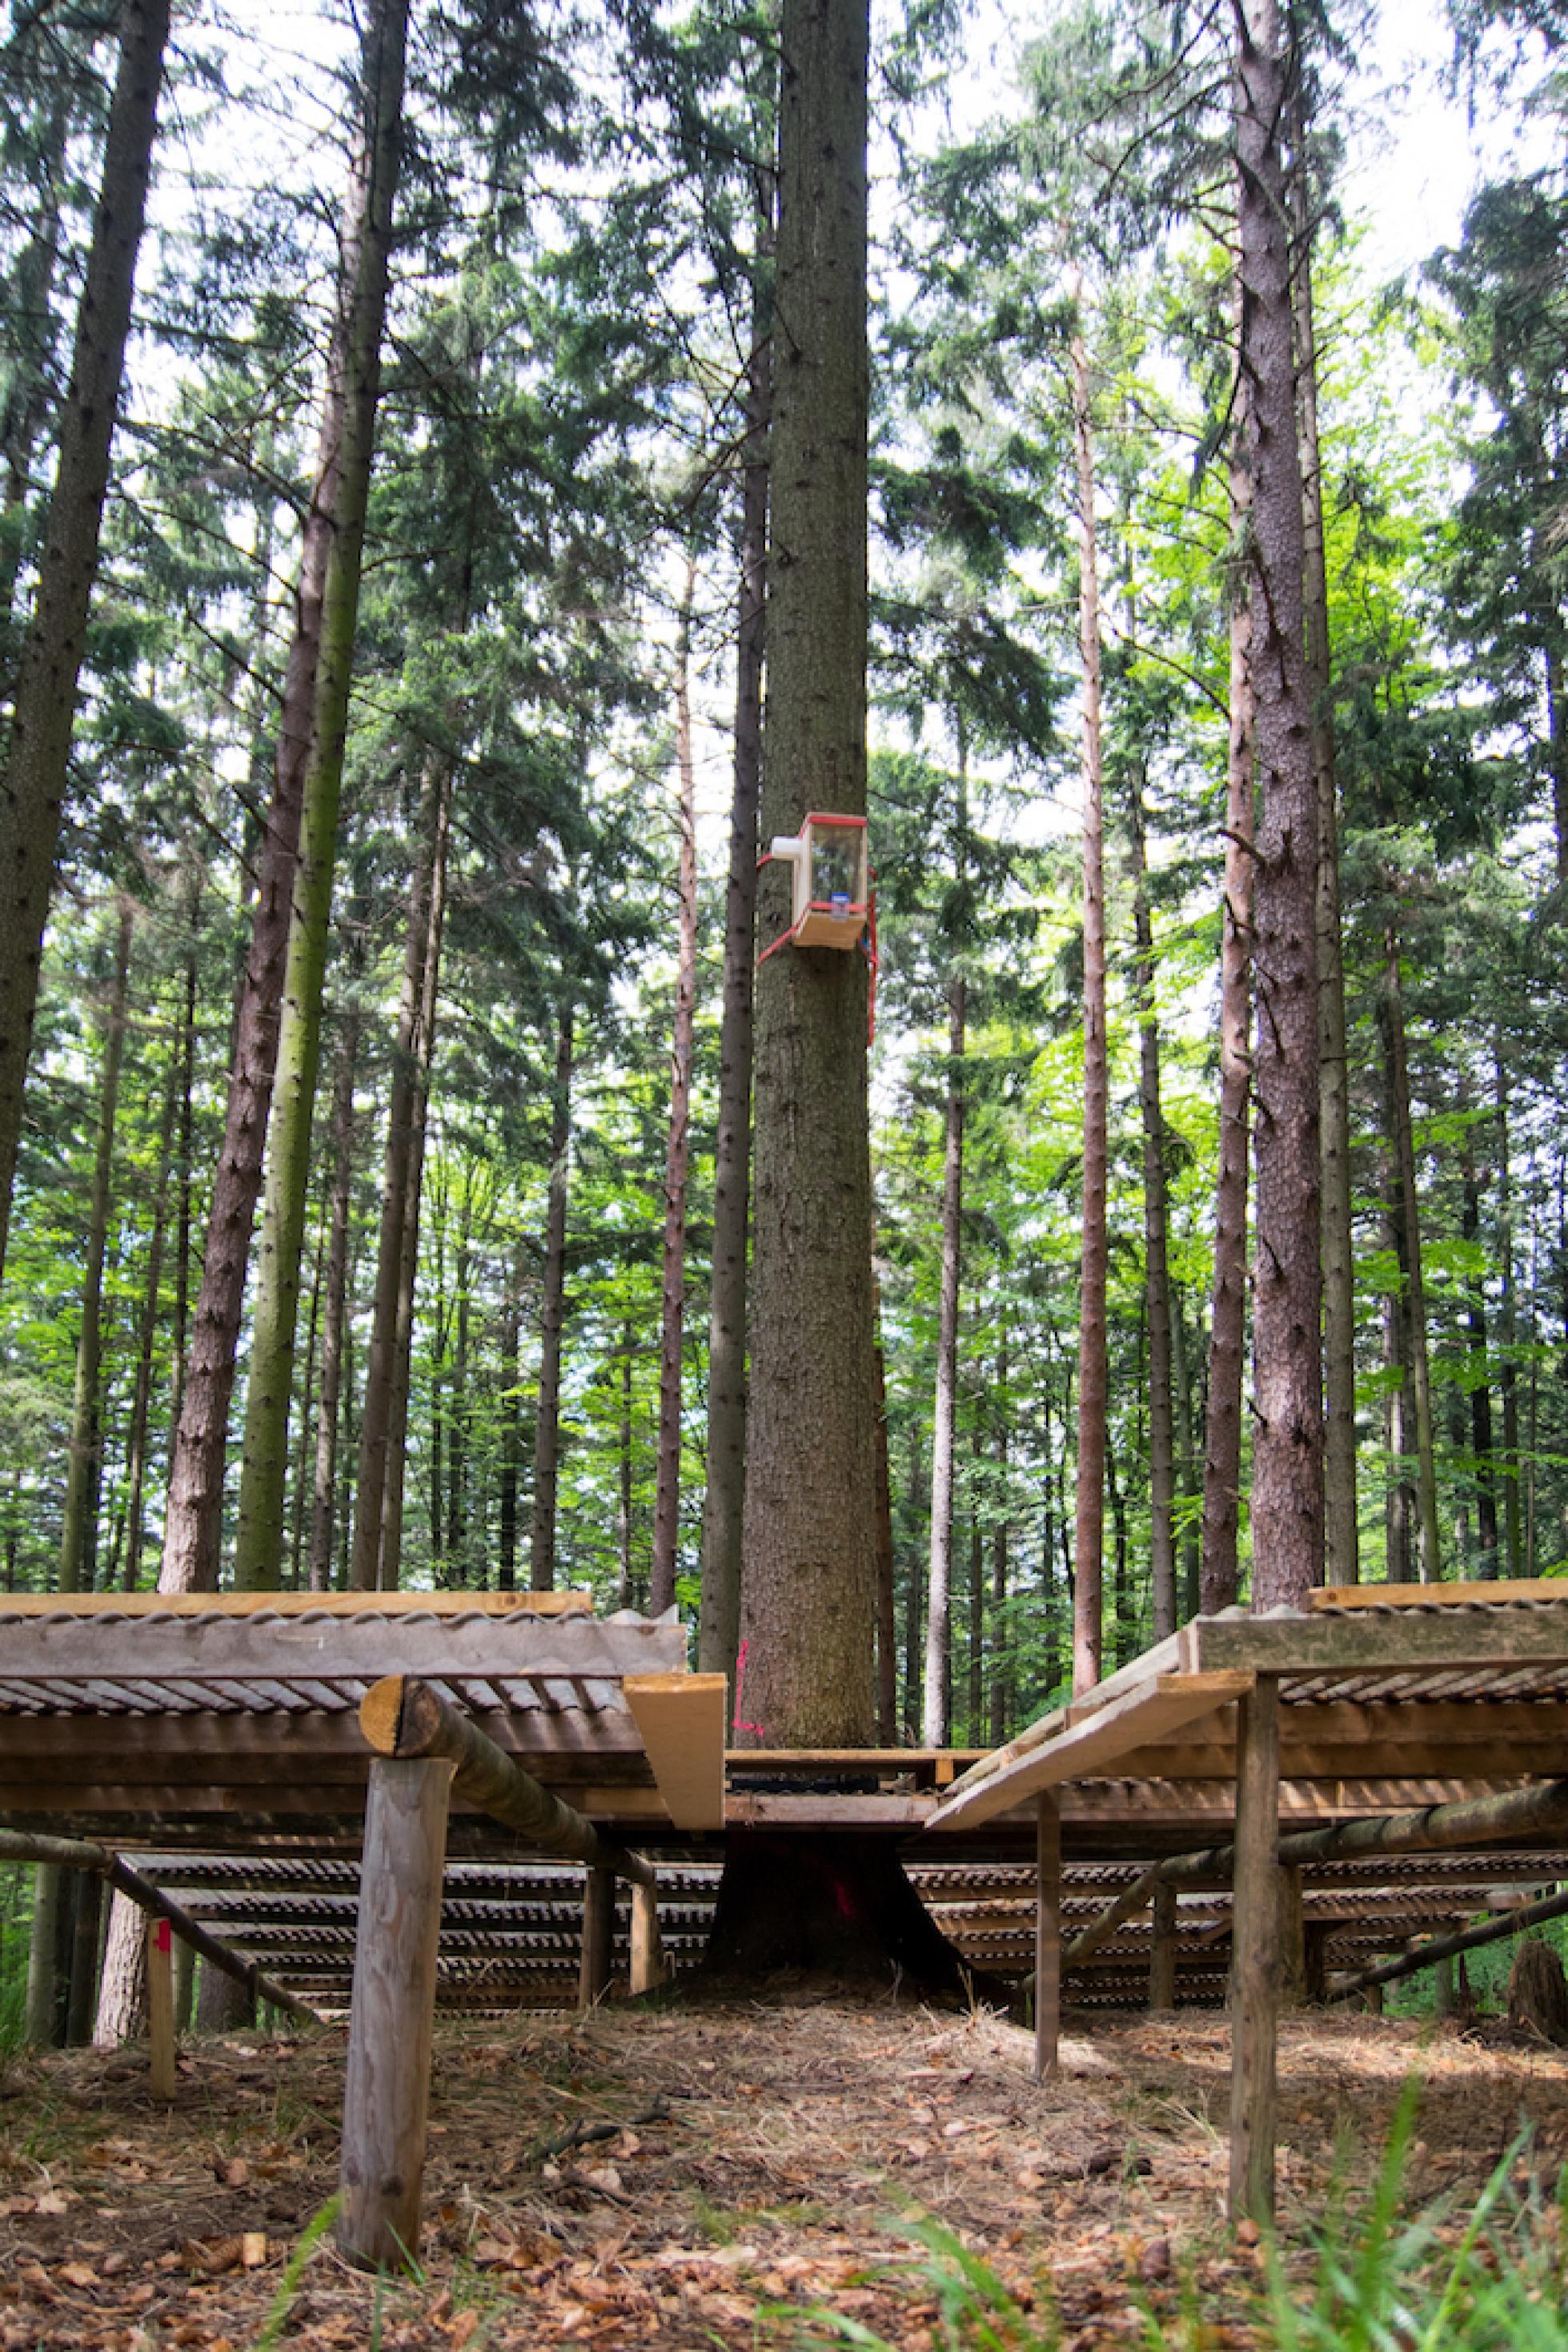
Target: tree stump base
(1538,1992)
(837,1907)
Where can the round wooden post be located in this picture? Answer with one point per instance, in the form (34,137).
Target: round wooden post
(386,2095)
(597,1937)
(1162,1951)
(649,1969)
(1292,1939)
(1048,1937)
(160,2007)
(1255,1965)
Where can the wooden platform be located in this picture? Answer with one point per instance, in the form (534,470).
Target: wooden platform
(211,1727)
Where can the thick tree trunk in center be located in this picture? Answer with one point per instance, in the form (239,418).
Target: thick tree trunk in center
(809,1607)
(839,1906)
(1286,1462)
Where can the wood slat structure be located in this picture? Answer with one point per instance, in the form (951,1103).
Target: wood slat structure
(219,1737)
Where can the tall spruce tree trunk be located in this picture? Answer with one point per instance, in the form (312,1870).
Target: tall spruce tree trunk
(1340,1553)
(1156,1260)
(886,1601)
(724,1501)
(511,1428)
(193,1524)
(25,305)
(1218,1572)
(377,1552)
(367,265)
(37,748)
(1480,1433)
(677,1155)
(624,1468)
(1287,1450)
(1399,1402)
(937,1722)
(1000,1643)
(1088,1550)
(77,1536)
(1402,1137)
(335,1308)
(808,1604)
(1508,1328)
(552,1316)
(136,1446)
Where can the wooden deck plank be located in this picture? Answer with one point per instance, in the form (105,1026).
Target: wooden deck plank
(1428,1596)
(56,1647)
(1387,1642)
(683,1721)
(296,1604)
(1090,1746)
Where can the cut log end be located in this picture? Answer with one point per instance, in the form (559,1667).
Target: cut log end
(381,1714)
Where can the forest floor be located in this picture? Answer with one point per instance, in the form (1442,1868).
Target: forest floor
(756,2161)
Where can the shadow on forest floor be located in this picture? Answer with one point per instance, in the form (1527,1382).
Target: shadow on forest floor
(760,2160)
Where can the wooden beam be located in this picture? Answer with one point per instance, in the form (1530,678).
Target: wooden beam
(1048,1937)
(1092,1745)
(1395,1641)
(598,1938)
(391,2015)
(300,1737)
(76,1854)
(402,1717)
(1458,1595)
(1162,1951)
(683,1721)
(649,1968)
(163,2080)
(1255,1963)
(1446,1948)
(358,1646)
(296,1604)
(1165,1657)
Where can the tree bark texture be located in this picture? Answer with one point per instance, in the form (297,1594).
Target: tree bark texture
(194,1521)
(1287,1453)
(1089,1537)
(37,753)
(1340,1541)
(1402,1137)
(552,1315)
(677,1155)
(397,1250)
(329,1411)
(26,304)
(1508,1329)
(367,264)
(1219,1571)
(723,1503)
(1156,1260)
(147,1330)
(886,1595)
(938,1716)
(808,1606)
(78,1528)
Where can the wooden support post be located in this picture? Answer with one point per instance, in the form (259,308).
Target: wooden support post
(597,1937)
(401,1715)
(1163,1952)
(648,1969)
(1292,1940)
(386,2095)
(1443,1986)
(161,2007)
(1048,1937)
(1255,1964)
(1373,1997)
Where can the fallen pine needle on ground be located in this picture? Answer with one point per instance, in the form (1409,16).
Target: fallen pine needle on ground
(670,2177)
